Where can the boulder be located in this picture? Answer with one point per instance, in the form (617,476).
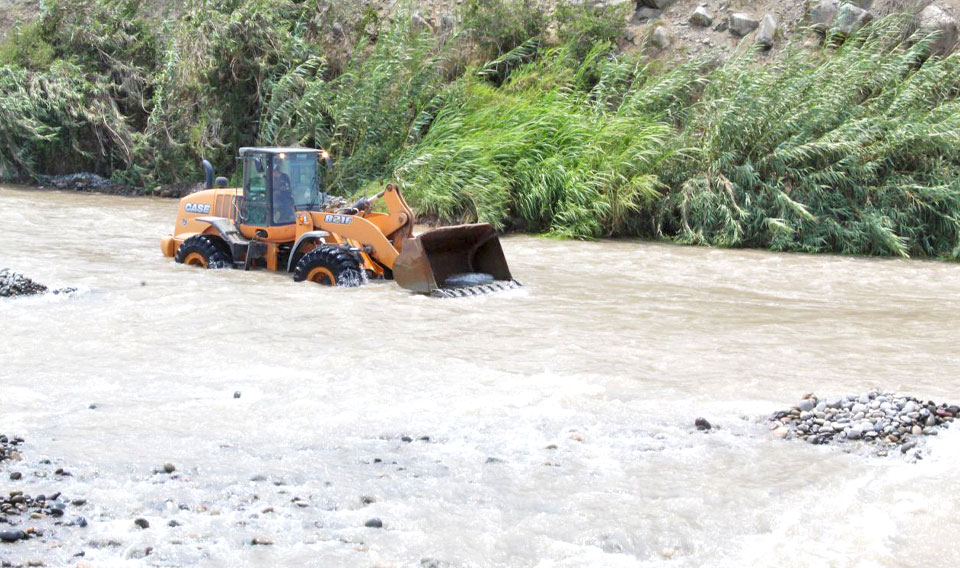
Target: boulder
(741,24)
(659,4)
(646,13)
(851,18)
(768,32)
(701,17)
(661,38)
(822,14)
(935,20)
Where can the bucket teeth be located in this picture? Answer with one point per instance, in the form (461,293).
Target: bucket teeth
(480,290)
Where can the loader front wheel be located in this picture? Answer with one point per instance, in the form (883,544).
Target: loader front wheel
(203,251)
(330,266)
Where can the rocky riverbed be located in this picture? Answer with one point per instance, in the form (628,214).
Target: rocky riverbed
(880,421)
(13,284)
(24,516)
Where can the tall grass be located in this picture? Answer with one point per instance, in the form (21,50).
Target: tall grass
(852,151)
(540,153)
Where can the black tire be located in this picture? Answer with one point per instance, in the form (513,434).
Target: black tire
(206,251)
(322,263)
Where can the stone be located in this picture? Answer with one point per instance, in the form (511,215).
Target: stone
(931,420)
(236,394)
(807,404)
(935,20)
(407,439)
(646,13)
(12,536)
(701,17)
(661,38)
(823,13)
(768,32)
(658,4)
(169,468)
(854,433)
(702,424)
(781,432)
(741,24)
(909,407)
(850,18)
(15,475)
(142,523)
(374,523)
(916,430)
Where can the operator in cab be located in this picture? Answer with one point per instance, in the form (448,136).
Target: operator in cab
(284,206)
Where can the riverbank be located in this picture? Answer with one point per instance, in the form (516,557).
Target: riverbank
(845,140)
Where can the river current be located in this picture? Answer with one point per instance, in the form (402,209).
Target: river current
(550,425)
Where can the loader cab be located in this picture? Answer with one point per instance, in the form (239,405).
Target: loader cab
(278,182)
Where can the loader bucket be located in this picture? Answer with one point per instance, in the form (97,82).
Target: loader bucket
(438,261)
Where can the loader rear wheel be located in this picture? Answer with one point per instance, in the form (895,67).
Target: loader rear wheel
(204,251)
(330,266)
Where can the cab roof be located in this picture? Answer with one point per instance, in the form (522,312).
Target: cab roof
(277,150)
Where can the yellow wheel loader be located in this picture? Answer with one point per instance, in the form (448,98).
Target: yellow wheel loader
(281,220)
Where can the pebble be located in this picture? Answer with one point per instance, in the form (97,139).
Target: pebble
(374,523)
(15,475)
(236,394)
(142,523)
(871,419)
(12,536)
(169,468)
(702,424)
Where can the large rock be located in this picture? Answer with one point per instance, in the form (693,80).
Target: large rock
(850,18)
(768,32)
(935,20)
(659,4)
(741,24)
(822,14)
(701,17)
(646,13)
(661,38)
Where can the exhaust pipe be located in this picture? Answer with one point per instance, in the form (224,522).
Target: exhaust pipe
(208,173)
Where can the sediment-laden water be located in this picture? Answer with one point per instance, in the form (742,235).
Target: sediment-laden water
(549,426)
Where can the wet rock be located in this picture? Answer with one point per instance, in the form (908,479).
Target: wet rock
(494,460)
(433,563)
(169,468)
(702,424)
(374,523)
(236,394)
(15,476)
(13,284)
(741,24)
(850,18)
(261,541)
(407,439)
(768,32)
(872,419)
(367,499)
(701,17)
(12,536)
(142,523)
(934,20)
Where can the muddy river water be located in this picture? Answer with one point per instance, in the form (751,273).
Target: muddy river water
(550,426)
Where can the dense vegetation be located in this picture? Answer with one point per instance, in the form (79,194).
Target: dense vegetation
(527,119)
